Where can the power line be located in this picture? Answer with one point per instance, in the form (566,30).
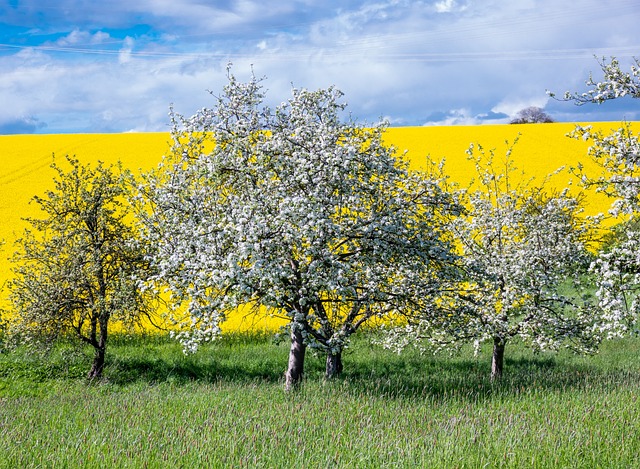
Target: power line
(359,52)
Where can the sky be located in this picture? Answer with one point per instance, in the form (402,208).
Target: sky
(85,66)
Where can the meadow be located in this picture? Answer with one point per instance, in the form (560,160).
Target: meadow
(225,405)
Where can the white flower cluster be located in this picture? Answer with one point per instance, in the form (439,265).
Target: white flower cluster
(616,84)
(618,273)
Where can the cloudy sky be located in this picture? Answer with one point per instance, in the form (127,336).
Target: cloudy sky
(117,65)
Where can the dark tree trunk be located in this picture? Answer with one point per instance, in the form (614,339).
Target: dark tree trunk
(100,347)
(98,363)
(497,360)
(294,373)
(334,365)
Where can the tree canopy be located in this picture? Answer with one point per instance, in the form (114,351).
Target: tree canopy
(295,212)
(618,154)
(76,269)
(532,115)
(523,249)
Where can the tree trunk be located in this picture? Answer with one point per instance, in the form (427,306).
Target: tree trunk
(98,363)
(100,351)
(293,376)
(334,365)
(497,360)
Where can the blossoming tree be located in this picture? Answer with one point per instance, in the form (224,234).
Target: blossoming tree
(296,213)
(77,269)
(520,247)
(618,154)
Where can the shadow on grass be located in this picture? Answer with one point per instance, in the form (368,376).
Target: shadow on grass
(381,374)
(368,370)
(440,378)
(154,371)
(237,358)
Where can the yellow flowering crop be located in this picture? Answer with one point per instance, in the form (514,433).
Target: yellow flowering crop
(25,171)
(541,150)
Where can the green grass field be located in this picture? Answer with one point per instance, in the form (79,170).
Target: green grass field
(225,407)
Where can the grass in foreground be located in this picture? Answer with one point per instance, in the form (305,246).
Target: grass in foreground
(225,407)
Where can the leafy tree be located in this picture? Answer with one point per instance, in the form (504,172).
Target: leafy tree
(295,213)
(520,247)
(618,154)
(532,115)
(74,269)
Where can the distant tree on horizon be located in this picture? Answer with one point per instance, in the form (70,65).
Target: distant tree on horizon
(532,115)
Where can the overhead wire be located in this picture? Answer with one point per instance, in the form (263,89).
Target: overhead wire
(479,39)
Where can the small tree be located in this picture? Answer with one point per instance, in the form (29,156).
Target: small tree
(297,213)
(520,248)
(532,115)
(74,270)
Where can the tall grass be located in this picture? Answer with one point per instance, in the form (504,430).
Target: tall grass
(225,407)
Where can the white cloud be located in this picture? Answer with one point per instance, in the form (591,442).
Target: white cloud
(124,55)
(99,37)
(456,117)
(82,38)
(445,6)
(392,58)
(511,106)
(464,116)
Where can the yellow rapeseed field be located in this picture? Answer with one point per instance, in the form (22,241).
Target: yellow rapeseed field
(25,166)
(541,150)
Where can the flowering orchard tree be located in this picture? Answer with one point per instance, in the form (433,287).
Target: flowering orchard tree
(76,269)
(618,154)
(297,213)
(520,248)
(618,277)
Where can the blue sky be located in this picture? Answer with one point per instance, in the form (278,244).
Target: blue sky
(117,65)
